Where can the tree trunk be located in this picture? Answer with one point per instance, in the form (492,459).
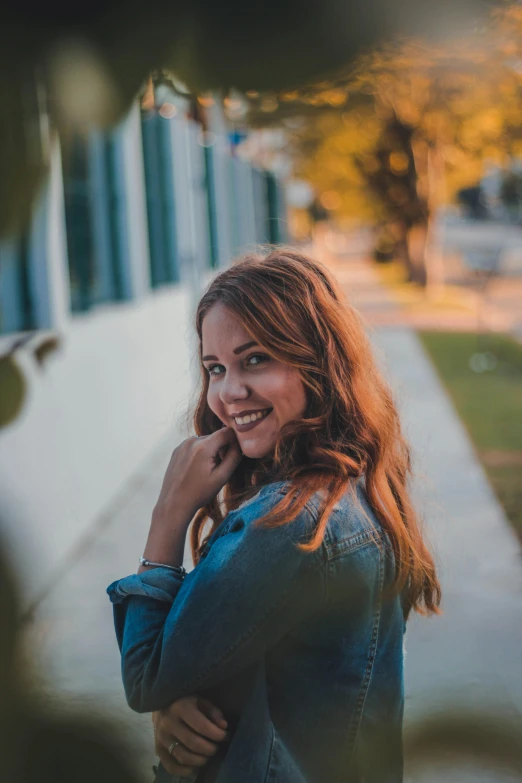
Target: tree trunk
(400,231)
(435,272)
(430,167)
(402,254)
(416,239)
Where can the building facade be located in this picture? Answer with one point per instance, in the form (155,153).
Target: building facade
(128,229)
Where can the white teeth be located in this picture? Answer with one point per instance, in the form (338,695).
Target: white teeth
(249,417)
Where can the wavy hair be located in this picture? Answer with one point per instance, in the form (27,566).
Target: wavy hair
(296,311)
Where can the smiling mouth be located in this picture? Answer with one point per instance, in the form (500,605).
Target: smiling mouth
(250,420)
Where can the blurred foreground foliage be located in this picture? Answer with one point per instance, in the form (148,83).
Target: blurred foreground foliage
(62,67)
(13,386)
(40,744)
(489,741)
(13,380)
(398,135)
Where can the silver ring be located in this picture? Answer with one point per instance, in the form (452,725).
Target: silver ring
(173,746)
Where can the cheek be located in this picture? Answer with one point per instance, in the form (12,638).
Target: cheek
(214,401)
(289,395)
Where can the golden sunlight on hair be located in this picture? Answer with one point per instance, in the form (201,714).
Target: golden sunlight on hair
(350,429)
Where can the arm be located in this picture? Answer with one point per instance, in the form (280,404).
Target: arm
(181,636)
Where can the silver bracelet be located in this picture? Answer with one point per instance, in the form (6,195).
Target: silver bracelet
(177,569)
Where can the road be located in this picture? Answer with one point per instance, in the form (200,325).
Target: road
(467,236)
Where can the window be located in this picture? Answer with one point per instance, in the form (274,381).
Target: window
(212,206)
(159,187)
(78,222)
(276,210)
(16,302)
(261,206)
(93,220)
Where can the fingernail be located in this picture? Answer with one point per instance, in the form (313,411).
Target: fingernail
(223,723)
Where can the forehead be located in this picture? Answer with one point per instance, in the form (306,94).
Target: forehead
(222,331)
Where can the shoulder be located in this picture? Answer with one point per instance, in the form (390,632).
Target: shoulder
(240,529)
(353,522)
(265,501)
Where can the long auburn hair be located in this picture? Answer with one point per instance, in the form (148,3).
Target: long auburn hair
(296,311)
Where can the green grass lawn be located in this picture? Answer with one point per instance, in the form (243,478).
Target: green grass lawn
(490,405)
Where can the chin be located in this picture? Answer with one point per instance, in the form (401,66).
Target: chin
(255,450)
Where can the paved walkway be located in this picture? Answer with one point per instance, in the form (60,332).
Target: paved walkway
(471,655)
(467,302)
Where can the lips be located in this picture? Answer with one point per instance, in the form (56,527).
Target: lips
(247,420)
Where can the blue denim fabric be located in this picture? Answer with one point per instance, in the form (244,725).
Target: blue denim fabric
(302,651)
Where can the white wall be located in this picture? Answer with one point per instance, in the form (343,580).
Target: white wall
(123,376)
(94,413)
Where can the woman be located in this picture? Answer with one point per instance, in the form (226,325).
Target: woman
(290,627)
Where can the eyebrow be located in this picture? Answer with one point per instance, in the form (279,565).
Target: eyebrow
(237,350)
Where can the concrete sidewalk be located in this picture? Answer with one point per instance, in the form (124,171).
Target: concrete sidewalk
(472,655)
(470,658)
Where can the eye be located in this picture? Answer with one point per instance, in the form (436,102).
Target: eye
(257,358)
(215,369)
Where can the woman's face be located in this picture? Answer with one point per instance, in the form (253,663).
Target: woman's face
(248,390)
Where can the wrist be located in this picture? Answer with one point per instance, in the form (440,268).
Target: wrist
(169,552)
(146,563)
(165,545)
(163,516)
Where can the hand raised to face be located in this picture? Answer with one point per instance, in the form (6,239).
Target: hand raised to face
(197,471)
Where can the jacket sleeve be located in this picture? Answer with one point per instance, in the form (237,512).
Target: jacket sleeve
(180,636)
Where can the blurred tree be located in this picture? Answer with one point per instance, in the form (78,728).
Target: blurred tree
(444,112)
(415,126)
(62,67)
(511,194)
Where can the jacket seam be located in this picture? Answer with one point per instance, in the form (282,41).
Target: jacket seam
(355,726)
(352,543)
(352,549)
(270,754)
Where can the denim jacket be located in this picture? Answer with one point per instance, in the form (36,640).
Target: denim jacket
(302,651)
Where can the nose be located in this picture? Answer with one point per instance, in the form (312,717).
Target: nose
(233,388)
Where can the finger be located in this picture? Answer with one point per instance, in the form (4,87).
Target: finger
(175,723)
(173,767)
(229,462)
(194,742)
(199,722)
(187,758)
(165,734)
(221,437)
(212,712)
